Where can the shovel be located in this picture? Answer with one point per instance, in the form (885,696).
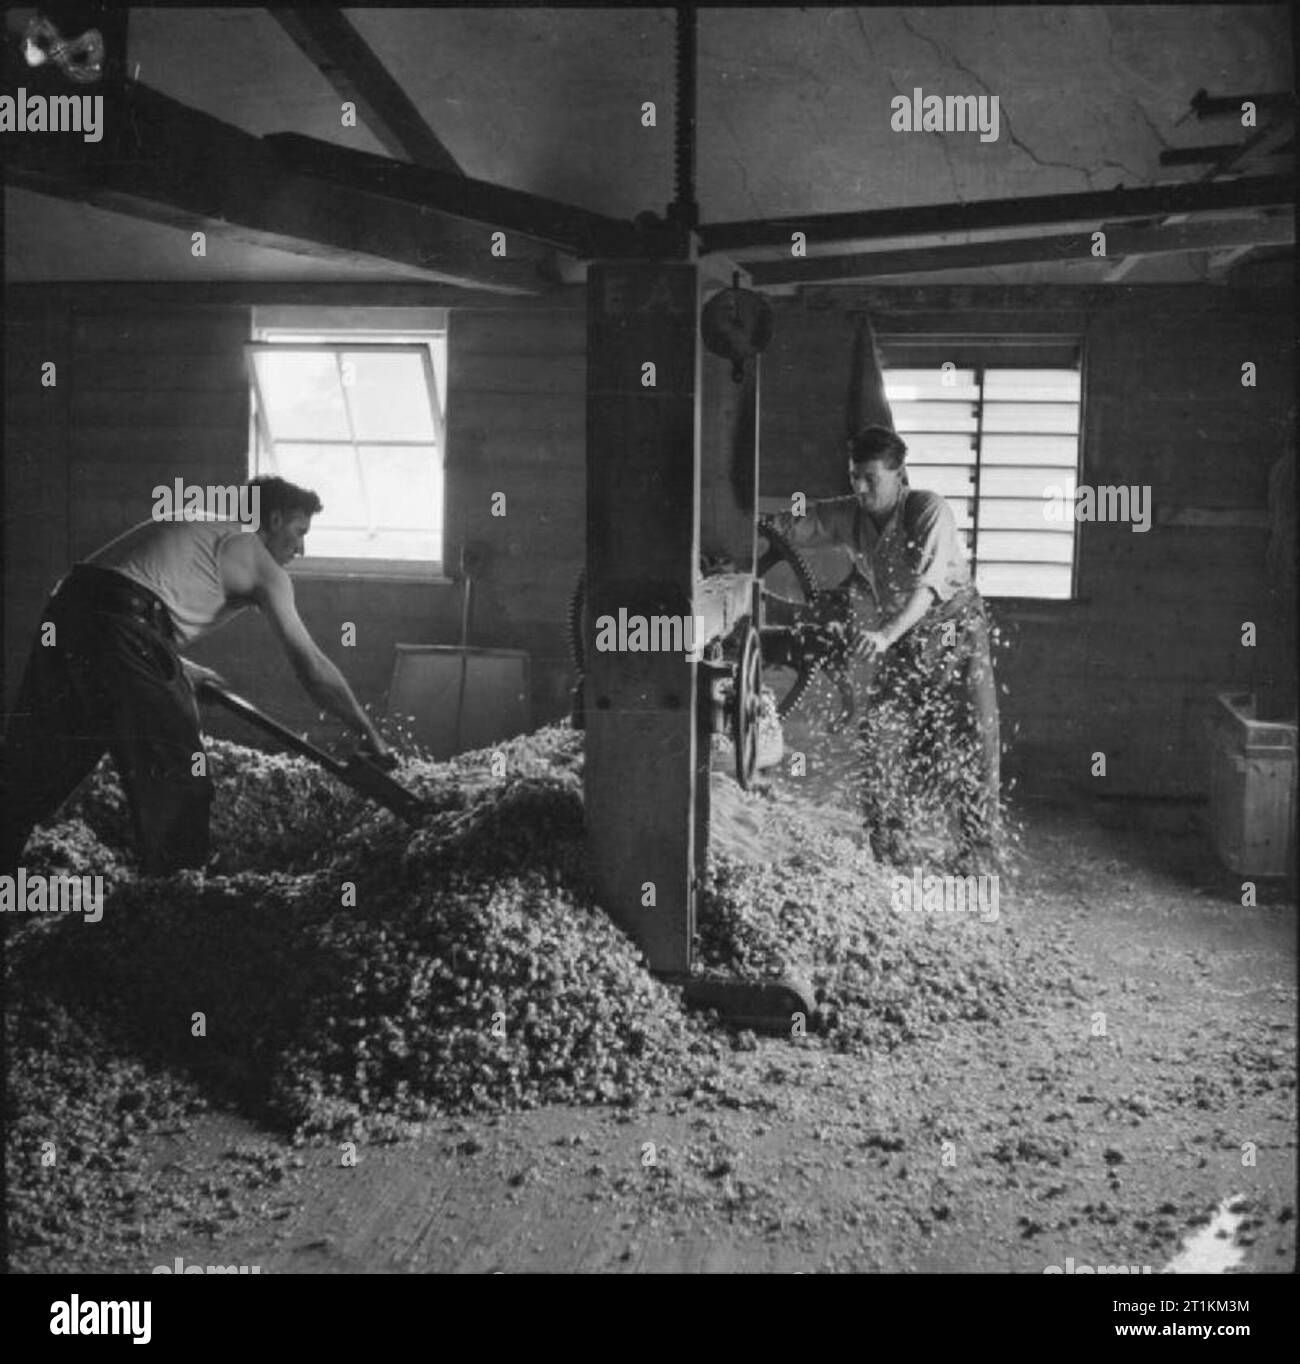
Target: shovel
(362,774)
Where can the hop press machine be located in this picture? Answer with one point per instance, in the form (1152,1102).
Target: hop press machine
(672,476)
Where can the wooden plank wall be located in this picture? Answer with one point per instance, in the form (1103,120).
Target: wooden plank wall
(516,425)
(155,396)
(151,390)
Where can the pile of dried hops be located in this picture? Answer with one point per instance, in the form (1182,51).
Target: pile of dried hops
(357,975)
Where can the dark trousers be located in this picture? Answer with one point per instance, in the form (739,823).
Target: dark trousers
(110,681)
(932,723)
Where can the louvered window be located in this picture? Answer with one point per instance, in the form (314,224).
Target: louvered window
(998,435)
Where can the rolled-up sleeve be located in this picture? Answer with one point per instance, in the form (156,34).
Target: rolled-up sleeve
(932,548)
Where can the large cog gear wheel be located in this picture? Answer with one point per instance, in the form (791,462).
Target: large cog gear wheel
(780,552)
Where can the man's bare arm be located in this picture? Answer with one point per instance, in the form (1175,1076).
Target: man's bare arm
(249,571)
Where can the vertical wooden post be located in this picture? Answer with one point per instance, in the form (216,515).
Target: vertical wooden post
(728,493)
(643,480)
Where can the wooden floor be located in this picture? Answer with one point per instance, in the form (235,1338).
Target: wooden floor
(1107,1150)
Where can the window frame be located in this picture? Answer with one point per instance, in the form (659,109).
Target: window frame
(980,353)
(333,336)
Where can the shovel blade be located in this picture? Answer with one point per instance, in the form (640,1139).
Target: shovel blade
(369,781)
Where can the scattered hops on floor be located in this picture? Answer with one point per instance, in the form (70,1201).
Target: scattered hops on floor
(350,973)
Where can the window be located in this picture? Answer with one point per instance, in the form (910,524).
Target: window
(351,403)
(997,435)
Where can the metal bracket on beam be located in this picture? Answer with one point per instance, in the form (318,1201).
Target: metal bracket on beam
(1198,156)
(1204,105)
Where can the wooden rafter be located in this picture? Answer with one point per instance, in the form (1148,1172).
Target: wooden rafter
(981,215)
(575,230)
(344,58)
(1227,161)
(1122,240)
(166,162)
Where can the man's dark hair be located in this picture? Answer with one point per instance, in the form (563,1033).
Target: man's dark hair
(279,495)
(878,442)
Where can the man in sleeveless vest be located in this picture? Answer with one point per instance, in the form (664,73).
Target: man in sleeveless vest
(110,678)
(930,642)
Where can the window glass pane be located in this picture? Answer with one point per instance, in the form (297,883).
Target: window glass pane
(997,514)
(301,395)
(404,486)
(1031,417)
(924,448)
(1033,385)
(951,482)
(330,471)
(336,542)
(1054,450)
(1024,580)
(389,396)
(956,416)
(909,385)
(388,544)
(1027,481)
(1036,545)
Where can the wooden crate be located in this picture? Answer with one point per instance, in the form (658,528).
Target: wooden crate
(1252,787)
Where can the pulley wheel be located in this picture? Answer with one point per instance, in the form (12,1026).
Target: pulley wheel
(745,707)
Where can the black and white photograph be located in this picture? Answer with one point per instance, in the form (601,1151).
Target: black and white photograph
(649,642)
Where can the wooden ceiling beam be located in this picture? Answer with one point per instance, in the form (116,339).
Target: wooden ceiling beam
(329,41)
(1230,162)
(826,229)
(1121,241)
(574,230)
(165,162)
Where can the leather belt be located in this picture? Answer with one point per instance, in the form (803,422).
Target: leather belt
(102,589)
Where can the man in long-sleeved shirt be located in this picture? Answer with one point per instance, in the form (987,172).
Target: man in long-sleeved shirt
(930,636)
